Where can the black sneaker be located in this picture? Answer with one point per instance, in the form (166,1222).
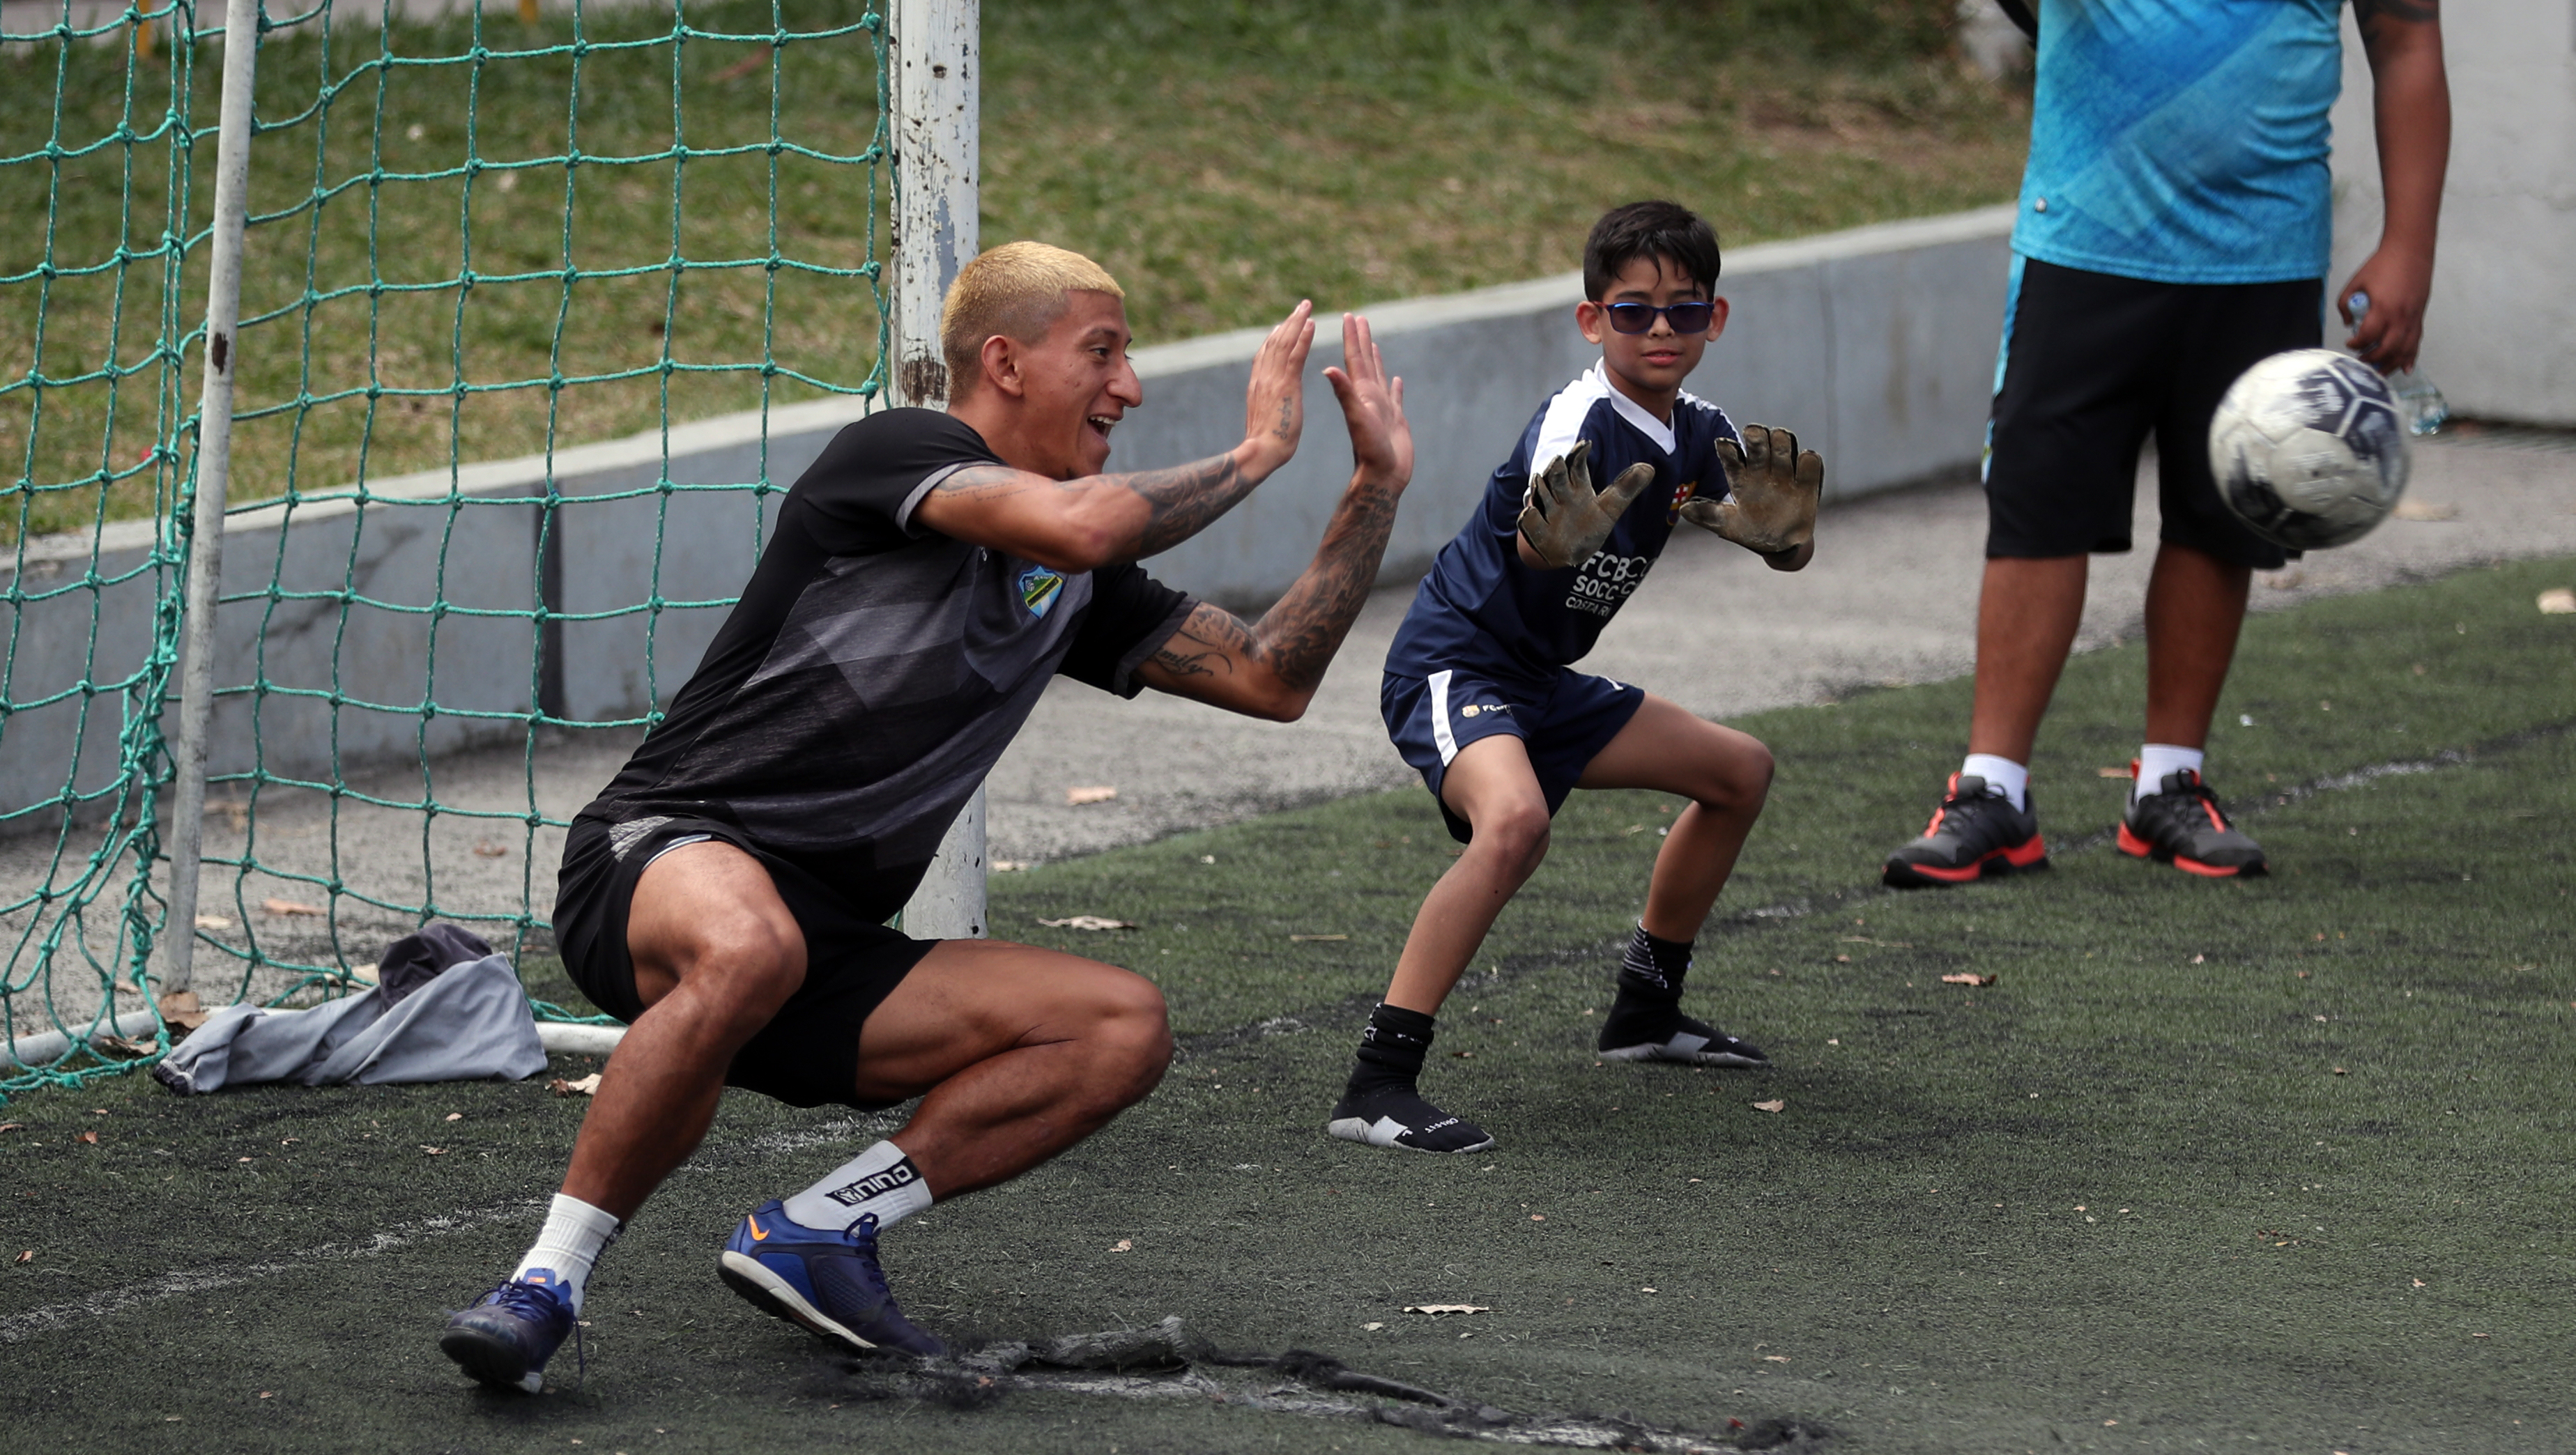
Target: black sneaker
(1975,833)
(1643,1031)
(1397,1116)
(2179,824)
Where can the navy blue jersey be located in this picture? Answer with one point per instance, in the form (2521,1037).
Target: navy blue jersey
(1482,607)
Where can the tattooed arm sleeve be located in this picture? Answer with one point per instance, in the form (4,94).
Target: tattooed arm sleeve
(1084,524)
(1271,667)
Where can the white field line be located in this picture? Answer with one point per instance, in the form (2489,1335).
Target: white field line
(179,1283)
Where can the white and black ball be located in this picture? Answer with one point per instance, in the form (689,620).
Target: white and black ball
(2308,449)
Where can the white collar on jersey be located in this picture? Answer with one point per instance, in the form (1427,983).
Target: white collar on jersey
(1631,411)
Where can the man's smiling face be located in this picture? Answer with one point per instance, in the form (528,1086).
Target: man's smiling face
(1077,384)
(1655,362)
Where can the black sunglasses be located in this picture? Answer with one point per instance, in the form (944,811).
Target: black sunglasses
(1640,317)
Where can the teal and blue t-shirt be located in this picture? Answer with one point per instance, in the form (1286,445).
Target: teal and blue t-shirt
(2183,141)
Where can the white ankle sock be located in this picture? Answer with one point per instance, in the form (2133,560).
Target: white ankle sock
(2002,774)
(569,1244)
(2155,760)
(880,1180)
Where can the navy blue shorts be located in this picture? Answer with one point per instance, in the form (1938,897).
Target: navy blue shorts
(1565,723)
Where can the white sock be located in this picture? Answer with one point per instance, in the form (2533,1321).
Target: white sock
(569,1244)
(2155,760)
(880,1180)
(2005,776)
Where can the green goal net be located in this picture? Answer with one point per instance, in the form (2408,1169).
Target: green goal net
(541,309)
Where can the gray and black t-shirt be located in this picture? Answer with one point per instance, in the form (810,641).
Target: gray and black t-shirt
(874,670)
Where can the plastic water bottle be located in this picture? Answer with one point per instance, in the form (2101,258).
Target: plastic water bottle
(2419,403)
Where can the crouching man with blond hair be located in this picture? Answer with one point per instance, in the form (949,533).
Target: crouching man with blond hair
(727,894)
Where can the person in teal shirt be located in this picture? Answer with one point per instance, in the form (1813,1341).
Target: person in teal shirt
(2175,224)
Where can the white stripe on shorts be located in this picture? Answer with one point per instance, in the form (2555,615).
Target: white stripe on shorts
(682,842)
(1441,737)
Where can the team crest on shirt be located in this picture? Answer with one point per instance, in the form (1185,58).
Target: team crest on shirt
(1039,587)
(1681,495)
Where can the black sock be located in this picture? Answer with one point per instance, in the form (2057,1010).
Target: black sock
(1653,968)
(1391,1050)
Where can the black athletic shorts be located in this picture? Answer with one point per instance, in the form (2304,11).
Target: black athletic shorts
(2092,364)
(808,1055)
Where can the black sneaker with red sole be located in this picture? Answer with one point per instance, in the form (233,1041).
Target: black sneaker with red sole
(2181,824)
(1976,833)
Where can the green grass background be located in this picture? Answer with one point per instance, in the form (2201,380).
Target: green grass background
(1224,159)
(2119,1200)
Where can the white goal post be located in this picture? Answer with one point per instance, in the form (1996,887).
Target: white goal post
(936,75)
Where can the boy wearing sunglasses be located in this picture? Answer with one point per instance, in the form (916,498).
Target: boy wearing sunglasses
(1480,695)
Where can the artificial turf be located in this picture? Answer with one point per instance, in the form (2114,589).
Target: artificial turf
(2275,1164)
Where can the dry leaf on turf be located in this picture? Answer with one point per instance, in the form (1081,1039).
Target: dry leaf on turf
(13,1126)
(1965,977)
(2113,773)
(1448,1308)
(1123,1245)
(490,850)
(1781,1105)
(586,1086)
(213,922)
(1380,1324)
(27,1257)
(1077,797)
(125,1048)
(433,1151)
(1775,1358)
(287,906)
(1087,922)
(456,1116)
(89,1137)
(1315,939)
(2427,510)
(2558,602)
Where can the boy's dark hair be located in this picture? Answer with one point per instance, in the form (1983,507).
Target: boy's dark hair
(1665,230)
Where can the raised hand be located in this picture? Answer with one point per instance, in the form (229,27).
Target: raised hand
(1373,407)
(1563,519)
(1772,491)
(1274,405)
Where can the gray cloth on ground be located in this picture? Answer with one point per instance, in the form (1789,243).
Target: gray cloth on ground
(446,1009)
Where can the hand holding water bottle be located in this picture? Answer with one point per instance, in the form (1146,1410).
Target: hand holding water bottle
(2419,403)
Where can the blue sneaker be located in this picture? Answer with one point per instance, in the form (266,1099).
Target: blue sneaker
(505,1339)
(827,1281)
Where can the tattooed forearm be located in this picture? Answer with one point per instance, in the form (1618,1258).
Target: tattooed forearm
(1271,667)
(1180,501)
(1297,636)
(1185,499)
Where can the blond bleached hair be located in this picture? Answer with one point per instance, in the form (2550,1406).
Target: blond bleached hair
(1016,290)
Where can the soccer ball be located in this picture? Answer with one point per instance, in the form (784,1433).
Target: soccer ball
(2308,449)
